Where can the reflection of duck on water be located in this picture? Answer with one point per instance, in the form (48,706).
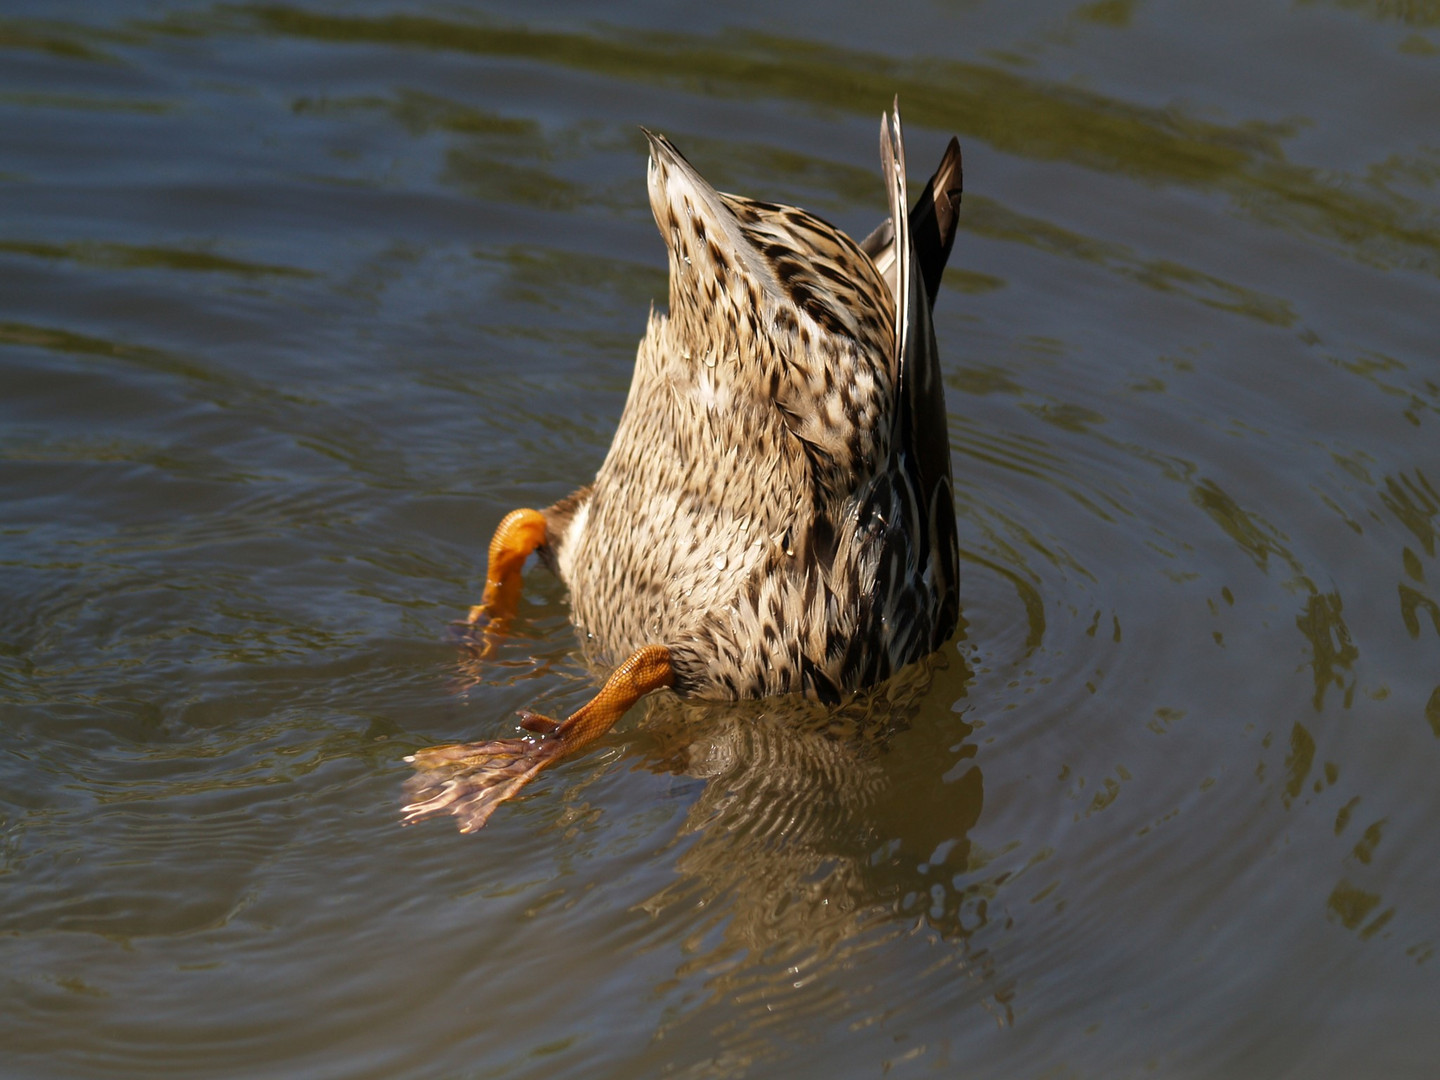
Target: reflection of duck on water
(775,514)
(820,832)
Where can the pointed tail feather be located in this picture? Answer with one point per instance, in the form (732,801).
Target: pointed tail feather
(892,163)
(932,226)
(935,217)
(922,442)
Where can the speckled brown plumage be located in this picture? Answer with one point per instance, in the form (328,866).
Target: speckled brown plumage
(775,514)
(776,506)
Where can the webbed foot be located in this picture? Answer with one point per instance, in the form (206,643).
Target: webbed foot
(469,780)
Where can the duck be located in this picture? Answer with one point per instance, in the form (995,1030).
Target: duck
(776,512)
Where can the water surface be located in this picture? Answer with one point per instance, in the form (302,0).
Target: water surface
(297,301)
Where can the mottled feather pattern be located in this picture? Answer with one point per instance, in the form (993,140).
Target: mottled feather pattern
(772,508)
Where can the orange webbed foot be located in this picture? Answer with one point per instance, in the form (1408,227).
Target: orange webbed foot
(469,780)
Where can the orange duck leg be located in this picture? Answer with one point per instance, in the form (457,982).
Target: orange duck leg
(517,537)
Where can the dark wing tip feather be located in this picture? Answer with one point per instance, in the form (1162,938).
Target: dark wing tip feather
(935,217)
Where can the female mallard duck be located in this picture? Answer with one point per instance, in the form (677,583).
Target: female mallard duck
(776,513)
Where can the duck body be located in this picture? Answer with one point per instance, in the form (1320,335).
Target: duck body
(776,506)
(776,512)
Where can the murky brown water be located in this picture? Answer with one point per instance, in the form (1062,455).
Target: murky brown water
(296,302)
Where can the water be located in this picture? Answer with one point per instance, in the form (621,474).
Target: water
(296,302)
